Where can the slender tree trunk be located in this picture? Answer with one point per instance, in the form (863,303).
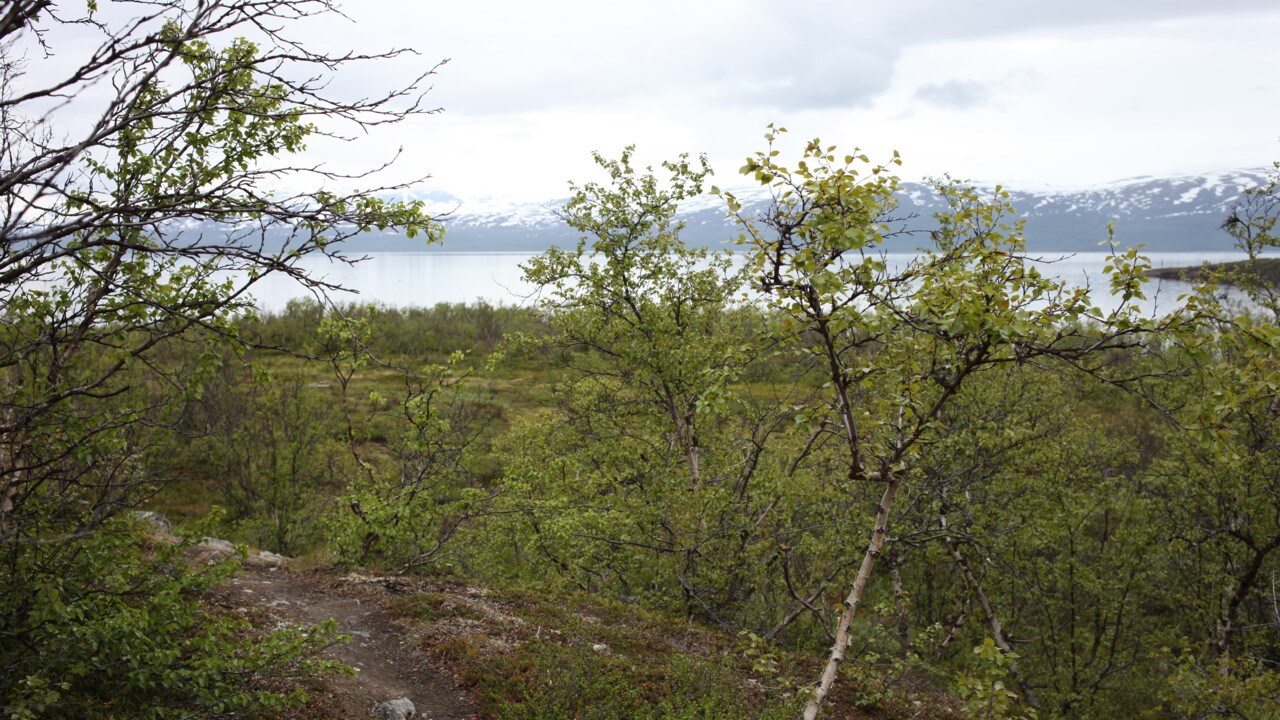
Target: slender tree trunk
(802,603)
(855,595)
(7,507)
(902,621)
(953,626)
(1234,594)
(997,632)
(14,478)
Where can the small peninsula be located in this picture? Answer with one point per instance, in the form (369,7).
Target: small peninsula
(1267,269)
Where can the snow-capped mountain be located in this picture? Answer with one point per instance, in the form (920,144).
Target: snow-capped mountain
(1165,214)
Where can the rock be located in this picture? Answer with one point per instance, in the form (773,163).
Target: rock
(215,550)
(211,550)
(600,649)
(398,709)
(266,559)
(218,545)
(158,522)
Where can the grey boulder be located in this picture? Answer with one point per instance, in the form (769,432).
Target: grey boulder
(398,709)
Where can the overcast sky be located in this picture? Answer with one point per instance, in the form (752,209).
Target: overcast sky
(1063,93)
(1067,93)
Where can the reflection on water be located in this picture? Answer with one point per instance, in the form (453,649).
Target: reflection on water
(410,279)
(424,279)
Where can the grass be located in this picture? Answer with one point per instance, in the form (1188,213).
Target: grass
(537,652)
(549,654)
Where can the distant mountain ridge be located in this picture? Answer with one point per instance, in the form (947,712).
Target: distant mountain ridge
(1170,214)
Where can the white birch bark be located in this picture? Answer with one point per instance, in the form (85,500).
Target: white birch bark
(836,657)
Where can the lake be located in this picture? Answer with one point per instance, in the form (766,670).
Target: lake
(401,279)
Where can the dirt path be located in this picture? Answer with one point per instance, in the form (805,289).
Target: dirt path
(388,666)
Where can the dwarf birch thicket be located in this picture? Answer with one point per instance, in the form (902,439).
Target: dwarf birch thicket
(950,480)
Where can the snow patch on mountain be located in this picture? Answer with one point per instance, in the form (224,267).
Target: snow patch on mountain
(1180,212)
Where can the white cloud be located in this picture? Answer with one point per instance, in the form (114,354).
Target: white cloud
(993,89)
(1002,89)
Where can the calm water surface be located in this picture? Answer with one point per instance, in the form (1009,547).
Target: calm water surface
(424,279)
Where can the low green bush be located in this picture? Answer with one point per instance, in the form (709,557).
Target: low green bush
(120,631)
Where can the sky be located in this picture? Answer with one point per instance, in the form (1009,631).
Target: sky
(1034,94)
(1051,93)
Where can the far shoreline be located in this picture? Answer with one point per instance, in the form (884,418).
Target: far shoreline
(1266,269)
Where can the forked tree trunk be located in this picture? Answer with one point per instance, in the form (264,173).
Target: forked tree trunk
(953,626)
(993,621)
(1233,595)
(997,632)
(855,595)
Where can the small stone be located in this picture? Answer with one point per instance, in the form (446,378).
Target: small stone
(266,559)
(158,522)
(218,544)
(600,648)
(211,551)
(398,709)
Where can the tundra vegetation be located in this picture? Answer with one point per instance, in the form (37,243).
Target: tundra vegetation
(947,488)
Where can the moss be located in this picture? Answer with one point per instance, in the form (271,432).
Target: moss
(433,606)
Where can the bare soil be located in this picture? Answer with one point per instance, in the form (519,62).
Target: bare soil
(387,659)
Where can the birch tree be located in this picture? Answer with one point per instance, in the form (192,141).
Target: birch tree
(135,221)
(899,338)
